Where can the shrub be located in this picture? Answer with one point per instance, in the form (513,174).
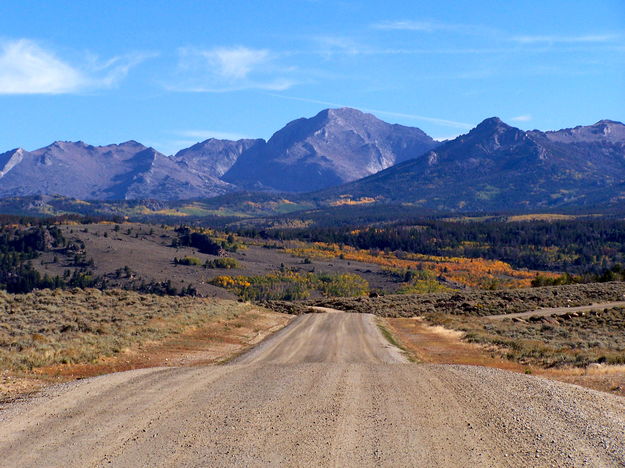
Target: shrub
(288,285)
(191,261)
(224,263)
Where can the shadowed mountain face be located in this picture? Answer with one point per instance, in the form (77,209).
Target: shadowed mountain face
(498,167)
(125,171)
(334,147)
(214,157)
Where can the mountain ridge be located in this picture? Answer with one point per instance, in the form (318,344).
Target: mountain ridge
(116,171)
(496,166)
(343,154)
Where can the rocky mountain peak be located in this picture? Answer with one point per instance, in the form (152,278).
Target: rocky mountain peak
(10,159)
(491,124)
(130,144)
(499,167)
(344,113)
(609,122)
(489,136)
(334,146)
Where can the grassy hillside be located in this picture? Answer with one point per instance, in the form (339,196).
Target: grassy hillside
(46,327)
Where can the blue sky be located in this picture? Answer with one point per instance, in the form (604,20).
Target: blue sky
(171,73)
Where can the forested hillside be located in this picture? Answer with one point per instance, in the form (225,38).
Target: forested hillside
(577,246)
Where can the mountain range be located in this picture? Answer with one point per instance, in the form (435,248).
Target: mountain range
(499,167)
(125,171)
(348,155)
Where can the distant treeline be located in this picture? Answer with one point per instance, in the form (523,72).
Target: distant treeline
(10,219)
(576,246)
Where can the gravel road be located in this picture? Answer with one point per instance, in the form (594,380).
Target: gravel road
(325,391)
(548,311)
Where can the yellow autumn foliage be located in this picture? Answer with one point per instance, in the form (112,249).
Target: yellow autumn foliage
(471,272)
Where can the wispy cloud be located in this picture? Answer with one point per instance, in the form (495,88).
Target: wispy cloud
(224,69)
(435,120)
(329,46)
(522,118)
(584,38)
(409,25)
(235,63)
(432,26)
(112,71)
(28,68)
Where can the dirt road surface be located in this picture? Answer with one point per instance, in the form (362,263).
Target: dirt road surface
(325,391)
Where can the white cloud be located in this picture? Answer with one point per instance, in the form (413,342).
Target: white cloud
(236,62)
(331,45)
(522,118)
(409,25)
(225,69)
(437,26)
(430,26)
(114,70)
(589,38)
(28,68)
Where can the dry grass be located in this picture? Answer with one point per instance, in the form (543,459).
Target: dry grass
(45,328)
(57,336)
(552,341)
(438,345)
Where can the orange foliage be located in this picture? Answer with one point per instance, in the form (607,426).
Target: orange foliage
(471,272)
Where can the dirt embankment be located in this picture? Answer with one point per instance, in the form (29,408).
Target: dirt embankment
(474,303)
